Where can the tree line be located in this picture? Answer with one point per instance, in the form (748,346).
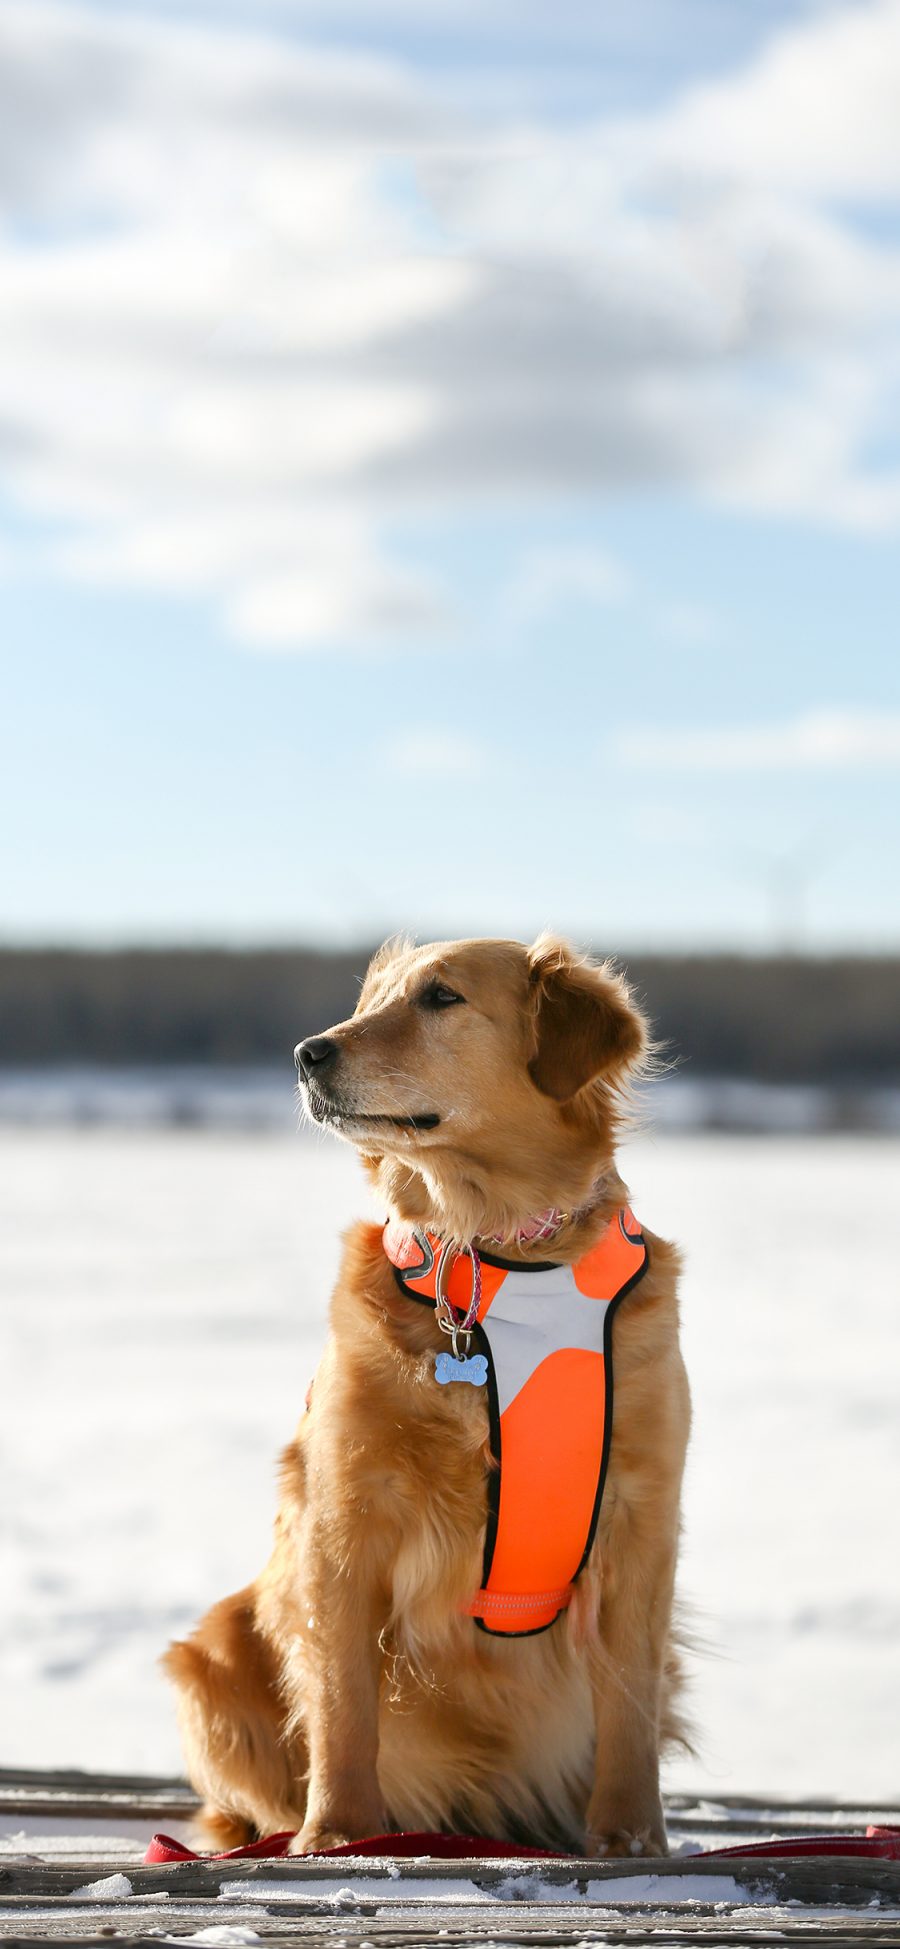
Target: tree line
(788,1019)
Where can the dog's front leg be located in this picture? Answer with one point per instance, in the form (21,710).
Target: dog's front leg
(342,1672)
(625,1815)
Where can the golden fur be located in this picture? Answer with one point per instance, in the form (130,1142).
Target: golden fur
(344,1693)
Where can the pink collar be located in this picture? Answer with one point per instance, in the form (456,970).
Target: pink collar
(545,1224)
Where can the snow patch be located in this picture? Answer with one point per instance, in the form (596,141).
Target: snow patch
(439,1891)
(111,1888)
(365,1888)
(224,1935)
(676,1888)
(531,1888)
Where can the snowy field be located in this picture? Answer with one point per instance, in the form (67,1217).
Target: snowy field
(163,1301)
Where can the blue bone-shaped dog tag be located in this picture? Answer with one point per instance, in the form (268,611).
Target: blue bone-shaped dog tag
(473,1370)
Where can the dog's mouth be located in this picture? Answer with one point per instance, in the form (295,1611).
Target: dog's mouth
(325,1110)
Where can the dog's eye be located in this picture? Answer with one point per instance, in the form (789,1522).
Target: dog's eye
(438,995)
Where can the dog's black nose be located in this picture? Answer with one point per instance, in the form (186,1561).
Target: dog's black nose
(315,1053)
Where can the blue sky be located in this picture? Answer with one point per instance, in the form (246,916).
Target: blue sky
(449,476)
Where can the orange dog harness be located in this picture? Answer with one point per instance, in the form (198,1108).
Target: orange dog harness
(545,1332)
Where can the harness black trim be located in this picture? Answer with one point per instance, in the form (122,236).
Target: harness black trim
(611,1311)
(520,1265)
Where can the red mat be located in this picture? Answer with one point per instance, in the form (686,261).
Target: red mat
(440,1847)
(878,1844)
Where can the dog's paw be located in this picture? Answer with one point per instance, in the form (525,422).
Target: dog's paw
(319,1835)
(316,1840)
(623,1843)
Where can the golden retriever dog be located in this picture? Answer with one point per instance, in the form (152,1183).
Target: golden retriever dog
(351,1690)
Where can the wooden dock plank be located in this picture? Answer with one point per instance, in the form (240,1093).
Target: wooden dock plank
(349,1902)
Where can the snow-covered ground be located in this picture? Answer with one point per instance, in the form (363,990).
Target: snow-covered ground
(163,1298)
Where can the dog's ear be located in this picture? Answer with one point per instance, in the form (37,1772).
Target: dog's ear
(584,1022)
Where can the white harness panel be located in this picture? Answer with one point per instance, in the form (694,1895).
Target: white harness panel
(534,1315)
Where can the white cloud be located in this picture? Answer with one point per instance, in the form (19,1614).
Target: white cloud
(260,302)
(816,112)
(816,741)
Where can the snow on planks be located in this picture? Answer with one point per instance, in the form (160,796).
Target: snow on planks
(70,1871)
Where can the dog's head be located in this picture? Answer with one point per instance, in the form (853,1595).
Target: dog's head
(478,1079)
